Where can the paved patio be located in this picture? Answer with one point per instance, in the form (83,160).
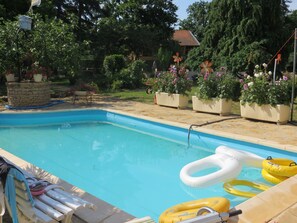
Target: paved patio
(278,204)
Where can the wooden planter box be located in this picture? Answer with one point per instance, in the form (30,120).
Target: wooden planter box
(215,105)
(172,100)
(279,114)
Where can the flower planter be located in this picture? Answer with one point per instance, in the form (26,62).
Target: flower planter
(279,114)
(37,77)
(10,77)
(172,100)
(215,105)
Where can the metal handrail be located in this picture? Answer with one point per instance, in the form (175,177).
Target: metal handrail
(207,123)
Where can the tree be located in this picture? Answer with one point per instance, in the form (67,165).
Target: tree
(51,43)
(116,26)
(290,25)
(144,25)
(197,19)
(241,33)
(54,45)
(9,9)
(81,13)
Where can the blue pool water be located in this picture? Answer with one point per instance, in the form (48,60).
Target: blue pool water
(131,163)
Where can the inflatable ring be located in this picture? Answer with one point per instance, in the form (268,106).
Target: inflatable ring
(229,187)
(280,167)
(189,209)
(229,168)
(272,178)
(244,157)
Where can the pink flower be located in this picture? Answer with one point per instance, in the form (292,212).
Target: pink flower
(218,74)
(245,87)
(175,80)
(206,75)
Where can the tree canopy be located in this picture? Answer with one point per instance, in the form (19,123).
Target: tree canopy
(137,27)
(197,19)
(240,33)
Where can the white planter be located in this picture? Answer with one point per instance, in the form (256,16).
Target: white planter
(37,77)
(215,105)
(10,77)
(172,100)
(279,114)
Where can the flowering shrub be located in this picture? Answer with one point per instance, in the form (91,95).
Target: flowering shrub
(218,84)
(261,90)
(174,81)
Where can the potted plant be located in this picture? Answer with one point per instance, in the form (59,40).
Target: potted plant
(9,74)
(171,87)
(37,72)
(215,91)
(263,99)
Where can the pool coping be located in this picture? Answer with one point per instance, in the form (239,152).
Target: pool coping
(272,204)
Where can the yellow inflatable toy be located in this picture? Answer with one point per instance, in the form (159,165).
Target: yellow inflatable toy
(229,187)
(280,167)
(272,178)
(186,210)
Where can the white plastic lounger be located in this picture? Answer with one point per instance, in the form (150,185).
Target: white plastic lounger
(52,206)
(146,219)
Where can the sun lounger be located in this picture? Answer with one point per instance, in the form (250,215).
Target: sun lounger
(146,219)
(51,205)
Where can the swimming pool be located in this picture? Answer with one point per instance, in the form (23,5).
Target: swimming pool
(131,163)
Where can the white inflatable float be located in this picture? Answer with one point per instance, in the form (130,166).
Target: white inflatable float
(229,161)
(244,157)
(229,169)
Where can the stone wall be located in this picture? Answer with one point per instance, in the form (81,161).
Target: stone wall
(28,94)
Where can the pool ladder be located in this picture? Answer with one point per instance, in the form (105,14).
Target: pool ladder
(207,123)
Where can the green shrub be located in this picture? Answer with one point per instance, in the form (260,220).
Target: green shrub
(116,85)
(217,85)
(133,75)
(174,81)
(112,65)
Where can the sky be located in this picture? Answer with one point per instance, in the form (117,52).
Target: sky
(184,4)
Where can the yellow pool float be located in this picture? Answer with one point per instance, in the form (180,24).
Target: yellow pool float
(229,187)
(280,167)
(186,210)
(272,178)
